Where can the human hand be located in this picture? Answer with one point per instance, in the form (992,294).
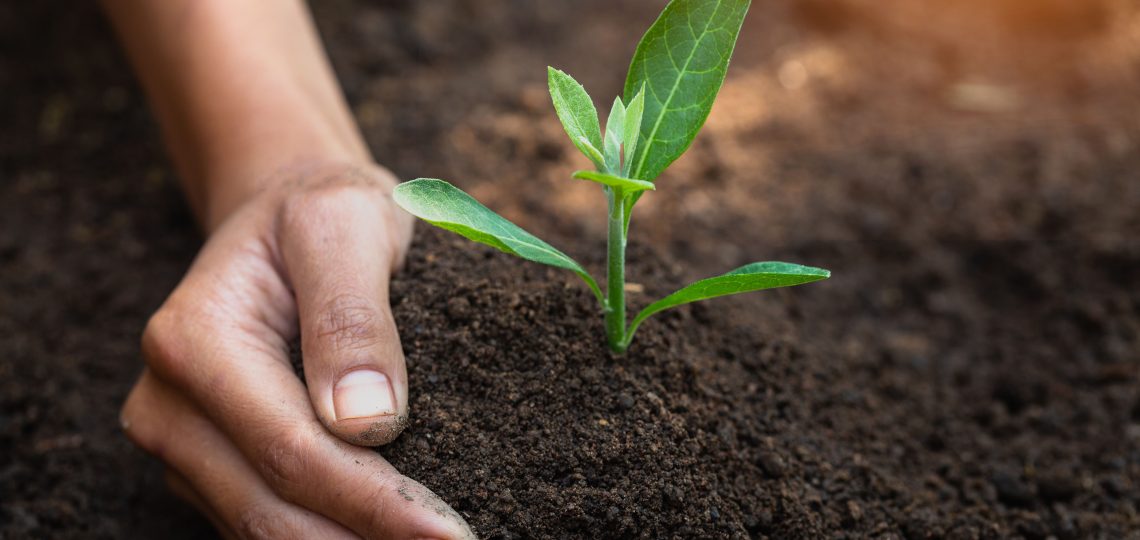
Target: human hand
(219,402)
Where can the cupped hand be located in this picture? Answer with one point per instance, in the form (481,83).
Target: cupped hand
(243,438)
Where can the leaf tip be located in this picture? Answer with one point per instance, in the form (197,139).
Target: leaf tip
(639,93)
(402,193)
(821,273)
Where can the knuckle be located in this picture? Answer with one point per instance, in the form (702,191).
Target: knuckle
(324,201)
(256,523)
(130,420)
(349,322)
(163,346)
(286,460)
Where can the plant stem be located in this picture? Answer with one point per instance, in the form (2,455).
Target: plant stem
(615,274)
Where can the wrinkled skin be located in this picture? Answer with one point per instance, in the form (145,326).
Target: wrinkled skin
(243,438)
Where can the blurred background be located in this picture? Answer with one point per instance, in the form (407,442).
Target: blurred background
(968,170)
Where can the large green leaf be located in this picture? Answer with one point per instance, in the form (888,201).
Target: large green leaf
(751,277)
(448,207)
(681,62)
(576,110)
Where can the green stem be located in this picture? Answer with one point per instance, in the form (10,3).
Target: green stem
(615,275)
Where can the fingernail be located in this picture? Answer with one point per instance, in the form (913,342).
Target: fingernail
(362,394)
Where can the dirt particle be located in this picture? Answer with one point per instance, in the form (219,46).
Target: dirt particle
(383,431)
(854,512)
(1012,489)
(772,464)
(459,309)
(625,402)
(1058,485)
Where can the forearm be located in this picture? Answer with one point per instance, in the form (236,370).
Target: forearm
(241,88)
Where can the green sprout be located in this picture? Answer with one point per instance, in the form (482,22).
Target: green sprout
(676,73)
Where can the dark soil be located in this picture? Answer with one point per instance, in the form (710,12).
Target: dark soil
(529,426)
(968,171)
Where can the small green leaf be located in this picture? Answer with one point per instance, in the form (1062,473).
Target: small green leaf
(591,152)
(615,136)
(632,130)
(633,114)
(751,277)
(681,61)
(578,115)
(629,202)
(628,185)
(448,207)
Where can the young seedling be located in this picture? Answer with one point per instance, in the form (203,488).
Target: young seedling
(676,72)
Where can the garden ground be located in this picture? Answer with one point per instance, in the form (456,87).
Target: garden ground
(967,171)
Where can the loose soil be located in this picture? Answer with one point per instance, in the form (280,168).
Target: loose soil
(967,171)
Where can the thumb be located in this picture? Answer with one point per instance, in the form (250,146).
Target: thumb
(335,245)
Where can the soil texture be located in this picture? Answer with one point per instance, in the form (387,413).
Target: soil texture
(967,170)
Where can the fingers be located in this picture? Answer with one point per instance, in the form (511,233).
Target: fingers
(332,242)
(182,489)
(247,388)
(221,342)
(206,467)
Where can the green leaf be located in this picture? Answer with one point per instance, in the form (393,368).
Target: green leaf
(623,126)
(591,152)
(579,117)
(681,61)
(615,136)
(751,277)
(632,129)
(448,207)
(626,184)
(629,202)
